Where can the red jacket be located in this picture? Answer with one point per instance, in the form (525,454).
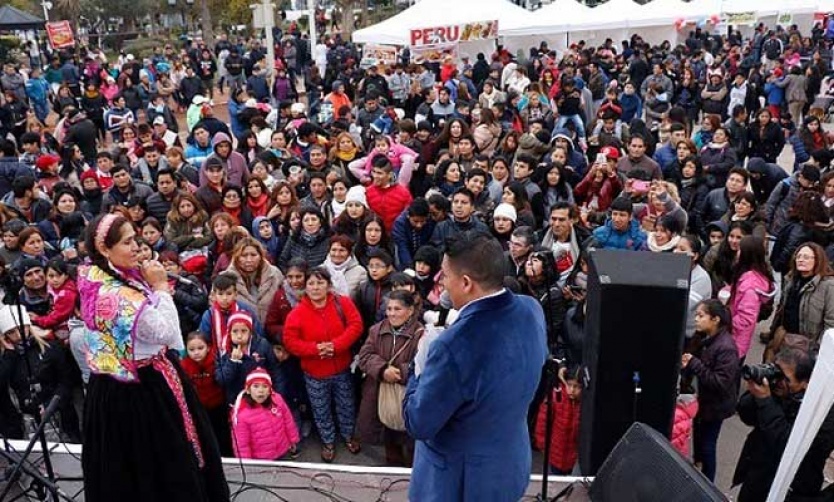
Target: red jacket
(564,442)
(388,203)
(307,325)
(685,411)
(264,433)
(606,191)
(64,301)
(276,316)
(202,377)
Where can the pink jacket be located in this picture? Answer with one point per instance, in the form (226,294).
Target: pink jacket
(264,433)
(751,292)
(401,157)
(685,410)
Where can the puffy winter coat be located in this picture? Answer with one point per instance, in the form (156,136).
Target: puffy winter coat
(201,375)
(564,440)
(264,432)
(685,410)
(313,251)
(232,375)
(752,290)
(717,369)
(632,239)
(388,202)
(64,301)
(719,159)
(308,325)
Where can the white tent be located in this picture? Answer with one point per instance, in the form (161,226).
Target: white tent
(815,407)
(396,30)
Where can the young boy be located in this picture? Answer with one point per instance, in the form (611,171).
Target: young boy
(244,352)
(224,304)
(30,143)
(716,232)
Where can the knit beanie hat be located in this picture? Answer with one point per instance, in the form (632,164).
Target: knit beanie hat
(239,317)
(505,210)
(357,194)
(258,375)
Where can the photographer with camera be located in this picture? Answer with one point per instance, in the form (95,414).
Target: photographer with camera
(770,405)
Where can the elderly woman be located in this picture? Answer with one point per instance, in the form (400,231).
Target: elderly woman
(384,358)
(258,280)
(347,274)
(320,331)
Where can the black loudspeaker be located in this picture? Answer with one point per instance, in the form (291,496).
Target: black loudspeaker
(644,467)
(634,332)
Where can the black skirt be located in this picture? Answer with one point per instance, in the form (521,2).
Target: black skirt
(136,448)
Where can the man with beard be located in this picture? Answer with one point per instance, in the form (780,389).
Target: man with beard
(93,193)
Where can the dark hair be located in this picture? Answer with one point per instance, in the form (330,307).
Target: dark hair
(150,220)
(169,172)
(809,209)
(439,201)
(224,280)
(744,173)
(527,159)
(382,255)
(802,361)
(526,233)
(298,263)
(30,137)
(119,168)
(405,297)
(477,172)
(521,201)
(418,207)
(114,234)
(695,243)
(22,184)
(622,204)
(477,255)
(319,272)
(725,261)
(751,257)
(58,264)
(714,308)
(466,193)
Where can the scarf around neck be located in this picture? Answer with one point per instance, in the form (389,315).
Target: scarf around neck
(220,334)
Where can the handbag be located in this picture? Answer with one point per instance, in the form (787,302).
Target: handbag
(390,399)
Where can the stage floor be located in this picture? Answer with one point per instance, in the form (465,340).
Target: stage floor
(252,481)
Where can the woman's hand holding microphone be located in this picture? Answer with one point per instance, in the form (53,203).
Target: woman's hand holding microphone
(155,275)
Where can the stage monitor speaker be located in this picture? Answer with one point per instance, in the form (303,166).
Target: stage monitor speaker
(644,467)
(634,333)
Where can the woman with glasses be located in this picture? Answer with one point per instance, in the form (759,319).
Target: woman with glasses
(807,304)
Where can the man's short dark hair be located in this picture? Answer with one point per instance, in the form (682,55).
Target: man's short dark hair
(466,193)
(477,172)
(104,155)
(676,127)
(22,184)
(119,168)
(29,138)
(478,255)
(440,202)
(419,207)
(7,148)
(526,233)
(169,172)
(573,212)
(744,173)
(622,204)
(801,360)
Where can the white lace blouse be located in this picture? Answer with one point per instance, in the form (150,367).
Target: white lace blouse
(157,327)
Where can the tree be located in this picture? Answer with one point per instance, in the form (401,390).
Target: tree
(205,23)
(346,8)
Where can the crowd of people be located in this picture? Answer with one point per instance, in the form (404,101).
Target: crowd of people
(304,236)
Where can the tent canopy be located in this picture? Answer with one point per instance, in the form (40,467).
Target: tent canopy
(396,30)
(12,19)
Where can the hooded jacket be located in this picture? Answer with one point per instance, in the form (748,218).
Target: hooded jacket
(632,239)
(237,170)
(771,175)
(752,290)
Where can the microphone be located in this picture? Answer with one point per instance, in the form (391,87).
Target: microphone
(445,307)
(179,278)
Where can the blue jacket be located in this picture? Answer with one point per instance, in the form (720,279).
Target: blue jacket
(801,154)
(608,238)
(231,375)
(195,155)
(774,93)
(632,107)
(205,321)
(37,89)
(665,156)
(238,128)
(468,408)
(408,241)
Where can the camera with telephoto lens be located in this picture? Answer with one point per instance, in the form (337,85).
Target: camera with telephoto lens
(758,372)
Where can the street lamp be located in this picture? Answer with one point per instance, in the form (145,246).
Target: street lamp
(47,6)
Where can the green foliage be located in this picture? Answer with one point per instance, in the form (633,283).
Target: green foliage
(7,44)
(143,47)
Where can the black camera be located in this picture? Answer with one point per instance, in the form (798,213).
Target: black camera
(758,372)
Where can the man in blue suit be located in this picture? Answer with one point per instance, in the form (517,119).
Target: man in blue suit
(467,409)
